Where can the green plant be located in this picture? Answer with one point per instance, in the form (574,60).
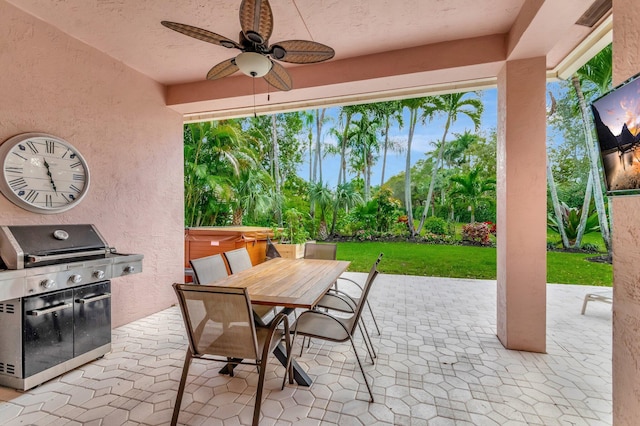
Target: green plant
(435,225)
(476,233)
(592,248)
(294,231)
(571,220)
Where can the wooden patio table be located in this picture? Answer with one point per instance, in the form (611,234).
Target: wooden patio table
(291,283)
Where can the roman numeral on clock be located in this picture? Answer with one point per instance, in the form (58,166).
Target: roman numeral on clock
(48,200)
(18,183)
(76,164)
(12,169)
(51,147)
(74,188)
(31,196)
(32,147)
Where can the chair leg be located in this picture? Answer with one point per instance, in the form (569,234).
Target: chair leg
(183,381)
(367,342)
(256,409)
(374,317)
(366,382)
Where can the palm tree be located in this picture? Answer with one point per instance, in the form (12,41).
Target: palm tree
(473,190)
(347,112)
(320,196)
(387,112)
(452,104)
(211,162)
(596,75)
(364,146)
(414,106)
(345,197)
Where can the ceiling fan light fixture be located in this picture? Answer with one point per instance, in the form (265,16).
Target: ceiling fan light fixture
(253,64)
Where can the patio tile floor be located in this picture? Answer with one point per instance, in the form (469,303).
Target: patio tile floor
(439,363)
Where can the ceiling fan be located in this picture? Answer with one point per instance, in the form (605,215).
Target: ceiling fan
(257,57)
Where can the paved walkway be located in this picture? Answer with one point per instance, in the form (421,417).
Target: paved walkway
(439,364)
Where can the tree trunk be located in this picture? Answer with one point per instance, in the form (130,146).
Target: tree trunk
(413,118)
(556,205)
(585,211)
(434,172)
(595,171)
(343,150)
(276,168)
(318,159)
(237,216)
(386,146)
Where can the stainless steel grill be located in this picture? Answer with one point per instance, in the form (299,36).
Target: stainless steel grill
(55,309)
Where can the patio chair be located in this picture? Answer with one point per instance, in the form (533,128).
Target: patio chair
(220,327)
(323,325)
(328,251)
(208,269)
(239,260)
(600,296)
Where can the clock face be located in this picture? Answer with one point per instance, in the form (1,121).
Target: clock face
(42,173)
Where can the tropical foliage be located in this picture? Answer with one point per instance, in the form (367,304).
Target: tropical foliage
(247,171)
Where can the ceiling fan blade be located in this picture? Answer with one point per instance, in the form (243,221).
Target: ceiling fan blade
(278,77)
(223,69)
(256,20)
(201,34)
(301,51)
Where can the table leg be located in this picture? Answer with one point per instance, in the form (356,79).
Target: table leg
(299,375)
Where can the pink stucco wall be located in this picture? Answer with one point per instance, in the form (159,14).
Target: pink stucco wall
(626,241)
(522,199)
(132,142)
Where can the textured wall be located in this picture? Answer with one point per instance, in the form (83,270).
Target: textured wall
(133,144)
(522,199)
(626,241)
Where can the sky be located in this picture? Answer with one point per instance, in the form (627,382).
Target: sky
(423,137)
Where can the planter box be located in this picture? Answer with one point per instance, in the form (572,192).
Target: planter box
(291,251)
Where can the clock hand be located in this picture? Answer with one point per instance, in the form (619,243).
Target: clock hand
(49,174)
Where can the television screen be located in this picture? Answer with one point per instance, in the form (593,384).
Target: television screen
(617,120)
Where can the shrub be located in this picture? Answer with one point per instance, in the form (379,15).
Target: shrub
(592,248)
(435,225)
(477,233)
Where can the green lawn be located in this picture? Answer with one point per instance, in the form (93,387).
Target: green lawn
(465,262)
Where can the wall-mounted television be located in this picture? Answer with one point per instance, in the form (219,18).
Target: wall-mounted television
(617,120)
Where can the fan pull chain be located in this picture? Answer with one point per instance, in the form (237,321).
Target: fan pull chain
(254,97)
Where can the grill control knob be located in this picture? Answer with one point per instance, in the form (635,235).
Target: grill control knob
(47,284)
(98,274)
(129,269)
(75,278)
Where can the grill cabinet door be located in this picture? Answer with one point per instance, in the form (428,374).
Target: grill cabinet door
(47,330)
(92,316)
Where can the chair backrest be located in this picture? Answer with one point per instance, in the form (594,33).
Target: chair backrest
(238,260)
(373,273)
(320,251)
(219,320)
(209,269)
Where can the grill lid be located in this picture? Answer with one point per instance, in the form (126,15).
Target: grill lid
(38,245)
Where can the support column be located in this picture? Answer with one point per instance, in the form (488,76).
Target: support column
(522,205)
(626,241)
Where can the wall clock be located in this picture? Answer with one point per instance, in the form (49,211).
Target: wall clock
(42,173)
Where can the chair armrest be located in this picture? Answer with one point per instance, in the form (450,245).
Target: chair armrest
(338,301)
(351,281)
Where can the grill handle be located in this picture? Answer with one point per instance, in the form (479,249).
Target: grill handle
(94,298)
(38,259)
(44,311)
